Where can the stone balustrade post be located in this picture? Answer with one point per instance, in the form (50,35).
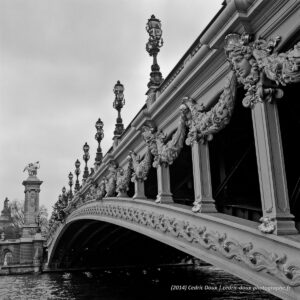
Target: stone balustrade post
(163,184)
(139,189)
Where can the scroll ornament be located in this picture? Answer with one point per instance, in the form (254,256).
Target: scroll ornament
(259,69)
(110,185)
(267,225)
(165,152)
(204,123)
(140,166)
(123,178)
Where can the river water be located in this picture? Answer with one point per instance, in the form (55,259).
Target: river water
(131,284)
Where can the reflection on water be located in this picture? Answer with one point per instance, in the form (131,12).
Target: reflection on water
(133,284)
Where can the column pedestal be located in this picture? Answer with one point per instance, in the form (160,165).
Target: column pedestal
(122,194)
(139,189)
(163,184)
(31,206)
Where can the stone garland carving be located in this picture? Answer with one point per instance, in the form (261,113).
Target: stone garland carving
(256,259)
(123,178)
(259,69)
(110,184)
(165,152)
(203,124)
(140,166)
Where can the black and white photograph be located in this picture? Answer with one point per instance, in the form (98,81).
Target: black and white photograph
(149,149)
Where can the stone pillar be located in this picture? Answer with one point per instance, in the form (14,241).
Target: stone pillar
(37,252)
(204,201)
(163,184)
(271,169)
(31,205)
(139,189)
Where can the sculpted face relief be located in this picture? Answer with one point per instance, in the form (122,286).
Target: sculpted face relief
(241,66)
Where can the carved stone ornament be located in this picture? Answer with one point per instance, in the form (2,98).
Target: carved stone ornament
(204,123)
(100,193)
(141,167)
(268,225)
(91,194)
(124,177)
(110,185)
(162,151)
(245,254)
(259,69)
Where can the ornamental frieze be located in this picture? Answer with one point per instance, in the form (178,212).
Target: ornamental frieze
(259,69)
(163,151)
(123,178)
(203,123)
(140,166)
(246,254)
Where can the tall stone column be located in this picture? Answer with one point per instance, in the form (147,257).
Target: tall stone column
(204,201)
(271,170)
(31,206)
(163,184)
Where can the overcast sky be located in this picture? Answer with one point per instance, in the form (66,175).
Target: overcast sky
(59,61)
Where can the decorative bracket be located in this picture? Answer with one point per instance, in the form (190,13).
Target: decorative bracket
(259,69)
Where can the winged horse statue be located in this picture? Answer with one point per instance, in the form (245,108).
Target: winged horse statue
(32,168)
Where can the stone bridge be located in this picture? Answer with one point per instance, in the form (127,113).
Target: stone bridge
(209,165)
(235,247)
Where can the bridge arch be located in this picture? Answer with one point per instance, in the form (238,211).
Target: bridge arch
(239,249)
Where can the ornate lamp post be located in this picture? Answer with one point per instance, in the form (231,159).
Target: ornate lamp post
(86,157)
(155,42)
(98,137)
(64,197)
(118,105)
(70,184)
(77,172)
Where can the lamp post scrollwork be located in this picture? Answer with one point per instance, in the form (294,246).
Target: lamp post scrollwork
(86,157)
(99,137)
(64,197)
(155,42)
(77,172)
(70,184)
(118,104)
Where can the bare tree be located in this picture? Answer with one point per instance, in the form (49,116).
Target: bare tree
(17,215)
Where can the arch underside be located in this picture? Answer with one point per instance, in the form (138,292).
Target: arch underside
(234,245)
